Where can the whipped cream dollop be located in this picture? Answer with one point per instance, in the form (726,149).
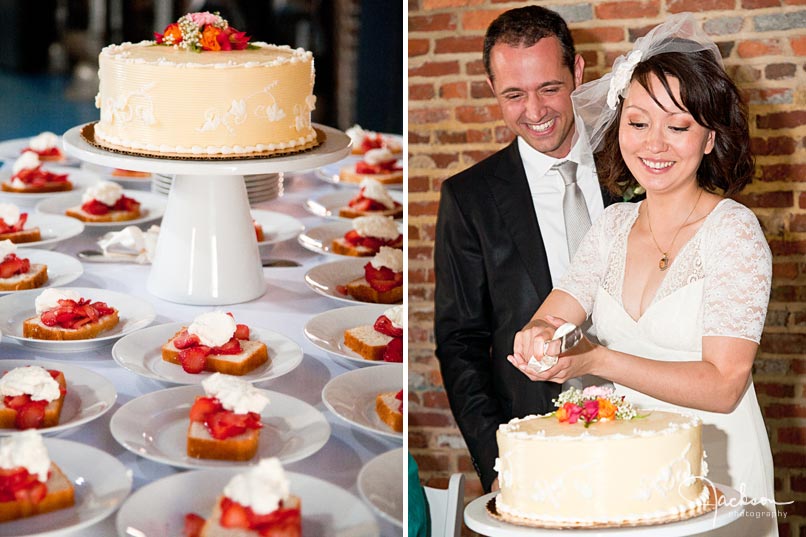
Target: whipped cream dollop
(356,134)
(7,247)
(43,141)
(235,394)
(132,239)
(9,213)
(25,450)
(213,328)
(374,190)
(375,225)
(31,379)
(378,156)
(106,192)
(395,314)
(262,487)
(27,161)
(49,298)
(391,258)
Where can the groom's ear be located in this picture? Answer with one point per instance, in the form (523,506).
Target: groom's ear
(579,70)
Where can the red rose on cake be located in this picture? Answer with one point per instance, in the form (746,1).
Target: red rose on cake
(12,225)
(368,235)
(30,484)
(28,176)
(372,198)
(62,314)
(364,140)
(105,202)
(214,342)
(379,164)
(32,397)
(17,273)
(383,279)
(225,422)
(381,341)
(202,31)
(46,146)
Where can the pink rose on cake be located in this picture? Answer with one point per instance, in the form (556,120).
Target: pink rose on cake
(203,31)
(595,403)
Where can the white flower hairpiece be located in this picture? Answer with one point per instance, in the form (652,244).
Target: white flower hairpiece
(621,78)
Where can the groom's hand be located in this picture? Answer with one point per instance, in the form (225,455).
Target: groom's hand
(529,342)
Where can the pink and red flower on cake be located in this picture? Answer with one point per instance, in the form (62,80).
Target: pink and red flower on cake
(594,403)
(203,31)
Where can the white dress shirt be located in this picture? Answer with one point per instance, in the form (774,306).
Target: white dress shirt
(547,190)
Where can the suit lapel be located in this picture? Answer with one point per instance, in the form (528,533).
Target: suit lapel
(511,194)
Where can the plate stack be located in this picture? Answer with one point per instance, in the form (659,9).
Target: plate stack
(259,188)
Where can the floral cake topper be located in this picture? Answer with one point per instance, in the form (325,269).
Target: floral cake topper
(203,31)
(594,403)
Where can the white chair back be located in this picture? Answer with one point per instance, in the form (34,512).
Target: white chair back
(446,506)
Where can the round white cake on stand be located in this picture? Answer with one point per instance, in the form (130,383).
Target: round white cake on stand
(207,251)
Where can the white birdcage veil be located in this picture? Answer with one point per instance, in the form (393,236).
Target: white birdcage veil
(596,102)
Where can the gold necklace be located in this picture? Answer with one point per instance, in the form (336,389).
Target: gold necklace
(663,264)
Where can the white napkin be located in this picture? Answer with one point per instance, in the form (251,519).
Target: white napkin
(131,240)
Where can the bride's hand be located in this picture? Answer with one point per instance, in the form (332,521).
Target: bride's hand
(529,343)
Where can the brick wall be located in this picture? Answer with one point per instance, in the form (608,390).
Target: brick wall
(454,122)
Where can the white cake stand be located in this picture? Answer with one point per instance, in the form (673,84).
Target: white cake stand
(207,252)
(729,510)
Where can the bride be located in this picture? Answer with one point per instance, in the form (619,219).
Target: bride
(676,286)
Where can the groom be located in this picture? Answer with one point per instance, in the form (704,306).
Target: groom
(503,234)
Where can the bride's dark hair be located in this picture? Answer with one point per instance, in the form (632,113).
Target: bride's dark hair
(713,100)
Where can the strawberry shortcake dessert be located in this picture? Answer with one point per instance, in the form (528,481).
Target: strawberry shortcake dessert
(255,503)
(382,340)
(31,397)
(225,422)
(368,235)
(372,199)
(105,202)
(214,342)
(389,407)
(28,177)
(379,164)
(364,140)
(12,225)
(382,282)
(30,484)
(63,314)
(46,146)
(17,272)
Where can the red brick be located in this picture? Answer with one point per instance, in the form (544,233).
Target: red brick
(631,9)
(453,90)
(435,69)
(428,232)
(758,4)
(436,399)
(784,271)
(607,34)
(480,89)
(429,23)
(774,389)
(802,200)
(443,160)
(791,173)
(798,45)
(766,95)
(676,6)
(421,253)
(428,115)
(767,199)
(478,114)
(479,19)
(776,145)
(422,208)
(451,137)
(784,411)
(443,4)
(417,440)
(781,120)
(784,247)
(797,223)
(429,460)
(754,49)
(449,45)
(419,137)
(792,435)
(420,276)
(476,136)
(786,293)
(797,483)
(799,367)
(430,419)
(418,47)
(421,92)
(777,71)
(475,67)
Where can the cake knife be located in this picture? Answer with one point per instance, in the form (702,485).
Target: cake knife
(564,339)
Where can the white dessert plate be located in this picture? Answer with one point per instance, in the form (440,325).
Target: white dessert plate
(326,331)
(89,395)
(277,227)
(319,239)
(140,352)
(380,484)
(330,174)
(81,179)
(52,228)
(155,426)
(351,396)
(12,149)
(159,508)
(327,278)
(117,175)
(152,207)
(328,205)
(135,313)
(100,481)
(62,268)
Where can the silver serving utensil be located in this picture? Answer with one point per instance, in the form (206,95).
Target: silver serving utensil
(565,338)
(97,256)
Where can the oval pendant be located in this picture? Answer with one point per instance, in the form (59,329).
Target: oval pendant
(663,264)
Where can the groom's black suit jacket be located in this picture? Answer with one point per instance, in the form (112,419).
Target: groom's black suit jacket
(492,274)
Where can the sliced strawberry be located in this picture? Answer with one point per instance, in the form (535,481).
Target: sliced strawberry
(16,402)
(382,279)
(203,407)
(232,346)
(221,425)
(384,325)
(363,204)
(241,331)
(126,203)
(366,169)
(371,141)
(185,340)
(193,525)
(95,207)
(194,359)
(13,265)
(31,416)
(341,289)
(394,351)
(233,514)
(399,397)
(33,493)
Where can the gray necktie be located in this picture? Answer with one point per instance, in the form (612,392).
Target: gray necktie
(575,211)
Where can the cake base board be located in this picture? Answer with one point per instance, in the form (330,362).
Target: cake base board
(88,135)
(715,497)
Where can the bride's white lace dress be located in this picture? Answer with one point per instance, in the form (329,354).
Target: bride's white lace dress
(718,285)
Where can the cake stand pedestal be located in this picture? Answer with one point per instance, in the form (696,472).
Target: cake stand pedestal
(207,251)
(727,510)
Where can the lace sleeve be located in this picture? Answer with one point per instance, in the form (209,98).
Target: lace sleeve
(589,265)
(738,276)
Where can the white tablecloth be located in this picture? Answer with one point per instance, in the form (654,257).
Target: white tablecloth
(285,308)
